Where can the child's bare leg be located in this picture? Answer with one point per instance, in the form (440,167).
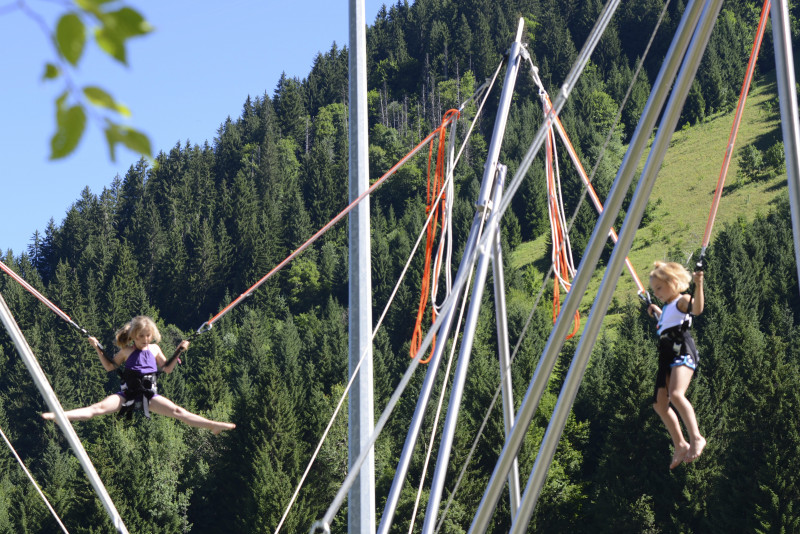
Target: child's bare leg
(110,404)
(164,406)
(679,382)
(670,419)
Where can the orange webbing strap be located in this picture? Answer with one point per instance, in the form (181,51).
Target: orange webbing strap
(435,189)
(561,255)
(751,65)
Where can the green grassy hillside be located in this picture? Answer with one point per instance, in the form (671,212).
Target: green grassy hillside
(683,192)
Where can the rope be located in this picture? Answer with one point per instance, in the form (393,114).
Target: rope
(435,190)
(406,378)
(210,323)
(584,178)
(47,303)
(561,255)
(751,65)
(439,406)
(35,485)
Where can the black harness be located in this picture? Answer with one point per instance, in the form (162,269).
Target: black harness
(137,390)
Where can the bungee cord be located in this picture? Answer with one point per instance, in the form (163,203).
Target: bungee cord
(737,120)
(210,323)
(32,290)
(436,190)
(561,250)
(587,181)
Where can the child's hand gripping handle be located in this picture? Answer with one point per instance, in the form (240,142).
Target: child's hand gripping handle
(701,263)
(651,309)
(184,345)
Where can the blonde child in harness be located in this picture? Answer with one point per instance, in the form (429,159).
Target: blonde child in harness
(143,359)
(677,355)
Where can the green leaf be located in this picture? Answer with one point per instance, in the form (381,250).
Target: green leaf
(71,123)
(51,72)
(91,4)
(127,136)
(101,98)
(125,23)
(117,27)
(71,37)
(111,44)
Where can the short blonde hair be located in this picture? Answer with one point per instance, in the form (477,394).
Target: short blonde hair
(125,335)
(672,273)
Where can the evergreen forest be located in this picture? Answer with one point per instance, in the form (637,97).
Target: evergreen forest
(180,237)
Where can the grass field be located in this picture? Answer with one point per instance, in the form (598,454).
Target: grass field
(684,190)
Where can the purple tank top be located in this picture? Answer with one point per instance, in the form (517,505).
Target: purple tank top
(143,361)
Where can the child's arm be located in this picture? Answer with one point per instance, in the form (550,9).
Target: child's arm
(168,365)
(109,364)
(654,311)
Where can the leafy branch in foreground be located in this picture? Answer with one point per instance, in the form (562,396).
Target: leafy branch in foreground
(109,24)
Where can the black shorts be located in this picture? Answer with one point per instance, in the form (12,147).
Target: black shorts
(675,348)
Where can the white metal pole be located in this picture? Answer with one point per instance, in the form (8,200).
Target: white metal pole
(40,379)
(503,352)
(787,95)
(361,501)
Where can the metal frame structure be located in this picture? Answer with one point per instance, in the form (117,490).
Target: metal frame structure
(666,100)
(482,249)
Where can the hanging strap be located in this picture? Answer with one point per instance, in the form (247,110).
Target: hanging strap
(429,283)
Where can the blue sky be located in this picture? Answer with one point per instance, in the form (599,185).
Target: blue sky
(197,68)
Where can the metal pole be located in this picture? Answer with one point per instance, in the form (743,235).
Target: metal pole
(489,177)
(430,376)
(460,376)
(40,379)
(616,263)
(593,251)
(361,502)
(784,61)
(493,154)
(503,352)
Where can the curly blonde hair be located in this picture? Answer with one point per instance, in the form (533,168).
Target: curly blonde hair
(125,335)
(672,273)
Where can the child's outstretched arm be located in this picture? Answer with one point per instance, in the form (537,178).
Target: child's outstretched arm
(108,363)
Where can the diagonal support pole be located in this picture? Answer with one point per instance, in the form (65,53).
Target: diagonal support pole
(40,379)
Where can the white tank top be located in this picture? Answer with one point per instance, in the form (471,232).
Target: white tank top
(671,316)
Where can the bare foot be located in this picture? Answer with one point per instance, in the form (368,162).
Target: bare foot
(681,451)
(219,427)
(48,416)
(696,449)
